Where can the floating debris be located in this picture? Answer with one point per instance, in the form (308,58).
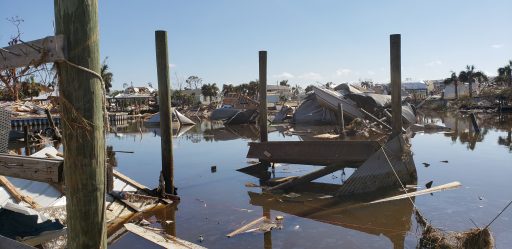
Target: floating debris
(292,195)
(251,185)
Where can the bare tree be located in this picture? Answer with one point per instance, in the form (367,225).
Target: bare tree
(12,79)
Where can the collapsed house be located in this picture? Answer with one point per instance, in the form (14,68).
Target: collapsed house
(322,106)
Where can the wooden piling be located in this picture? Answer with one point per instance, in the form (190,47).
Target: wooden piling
(164,87)
(342,119)
(25,134)
(82,110)
(396,83)
(263,96)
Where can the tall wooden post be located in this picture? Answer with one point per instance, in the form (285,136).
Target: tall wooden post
(396,83)
(263,96)
(164,87)
(82,110)
(342,119)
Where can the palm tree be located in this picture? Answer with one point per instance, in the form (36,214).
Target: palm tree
(227,89)
(453,79)
(214,91)
(209,90)
(106,75)
(505,74)
(470,75)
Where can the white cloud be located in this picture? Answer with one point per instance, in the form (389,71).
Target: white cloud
(284,75)
(343,71)
(172,65)
(434,63)
(497,46)
(370,72)
(310,76)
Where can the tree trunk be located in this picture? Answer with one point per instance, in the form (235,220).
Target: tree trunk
(82,110)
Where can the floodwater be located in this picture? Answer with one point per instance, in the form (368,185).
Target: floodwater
(214,204)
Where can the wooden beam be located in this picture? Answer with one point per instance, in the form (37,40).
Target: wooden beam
(30,168)
(308,177)
(350,153)
(13,191)
(48,49)
(82,102)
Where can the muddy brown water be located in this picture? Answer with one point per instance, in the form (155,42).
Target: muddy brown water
(214,204)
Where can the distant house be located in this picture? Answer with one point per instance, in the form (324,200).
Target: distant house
(277,92)
(449,91)
(239,101)
(380,89)
(416,90)
(435,86)
(132,98)
(199,97)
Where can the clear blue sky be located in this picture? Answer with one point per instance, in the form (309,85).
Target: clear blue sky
(307,41)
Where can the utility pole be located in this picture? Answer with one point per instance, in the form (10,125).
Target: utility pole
(82,109)
(396,83)
(164,83)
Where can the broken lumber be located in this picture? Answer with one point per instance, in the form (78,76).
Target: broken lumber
(245,227)
(376,119)
(30,168)
(349,153)
(11,189)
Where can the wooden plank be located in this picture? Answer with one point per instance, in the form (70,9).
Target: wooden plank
(30,168)
(13,191)
(447,186)
(6,243)
(48,49)
(350,153)
(167,241)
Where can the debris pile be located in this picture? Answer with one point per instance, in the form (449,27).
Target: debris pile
(433,238)
(27,108)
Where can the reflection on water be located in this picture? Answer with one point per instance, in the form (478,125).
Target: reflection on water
(215,204)
(462,129)
(391,219)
